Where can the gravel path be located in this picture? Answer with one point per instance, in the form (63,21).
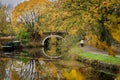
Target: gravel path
(95,50)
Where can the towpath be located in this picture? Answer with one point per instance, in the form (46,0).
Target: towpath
(95,50)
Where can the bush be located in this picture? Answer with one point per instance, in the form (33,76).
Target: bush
(24,36)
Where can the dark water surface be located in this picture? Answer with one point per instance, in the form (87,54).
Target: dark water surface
(31,64)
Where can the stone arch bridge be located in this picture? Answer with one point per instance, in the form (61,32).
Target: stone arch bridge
(47,35)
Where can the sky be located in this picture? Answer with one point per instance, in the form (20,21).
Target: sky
(11,2)
(15,2)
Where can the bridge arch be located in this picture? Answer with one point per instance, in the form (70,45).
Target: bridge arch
(43,43)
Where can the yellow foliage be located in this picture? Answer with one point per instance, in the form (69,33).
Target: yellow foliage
(118,77)
(66,13)
(73,31)
(86,16)
(52,69)
(15,76)
(25,7)
(116,35)
(91,39)
(112,18)
(61,28)
(111,51)
(41,33)
(106,3)
(55,15)
(4,59)
(52,28)
(74,75)
(52,46)
(105,46)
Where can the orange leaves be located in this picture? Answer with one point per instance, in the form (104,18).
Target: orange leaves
(91,39)
(55,15)
(73,30)
(105,46)
(112,18)
(74,75)
(116,35)
(51,69)
(27,6)
(113,26)
(15,76)
(118,76)
(106,3)
(27,13)
(66,13)
(111,51)
(52,46)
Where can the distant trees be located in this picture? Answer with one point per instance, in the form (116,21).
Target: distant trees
(5,25)
(2,19)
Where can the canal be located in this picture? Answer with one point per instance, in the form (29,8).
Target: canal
(32,64)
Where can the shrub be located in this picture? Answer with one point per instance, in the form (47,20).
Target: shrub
(24,36)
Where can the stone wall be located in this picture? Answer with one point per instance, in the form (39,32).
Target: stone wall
(100,66)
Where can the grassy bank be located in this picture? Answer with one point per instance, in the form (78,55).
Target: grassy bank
(91,56)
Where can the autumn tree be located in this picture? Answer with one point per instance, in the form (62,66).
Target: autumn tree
(5,24)
(2,19)
(94,18)
(104,10)
(27,15)
(107,23)
(52,18)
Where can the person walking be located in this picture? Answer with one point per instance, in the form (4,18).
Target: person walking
(82,43)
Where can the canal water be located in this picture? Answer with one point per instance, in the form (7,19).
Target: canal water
(32,64)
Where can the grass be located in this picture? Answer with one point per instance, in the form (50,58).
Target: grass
(92,56)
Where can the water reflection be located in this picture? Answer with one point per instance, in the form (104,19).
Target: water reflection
(30,65)
(74,75)
(52,47)
(33,65)
(35,70)
(2,68)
